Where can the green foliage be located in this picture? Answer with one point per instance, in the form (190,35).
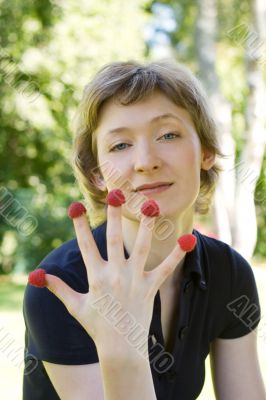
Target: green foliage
(49,51)
(260,201)
(11,295)
(233,30)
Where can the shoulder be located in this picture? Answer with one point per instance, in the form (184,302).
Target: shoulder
(221,257)
(232,288)
(228,273)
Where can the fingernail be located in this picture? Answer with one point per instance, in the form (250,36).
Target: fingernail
(76,209)
(115,198)
(37,278)
(150,208)
(187,242)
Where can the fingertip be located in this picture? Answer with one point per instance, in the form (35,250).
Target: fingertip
(76,209)
(187,242)
(115,198)
(37,278)
(150,208)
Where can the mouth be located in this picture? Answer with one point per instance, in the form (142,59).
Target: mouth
(153,190)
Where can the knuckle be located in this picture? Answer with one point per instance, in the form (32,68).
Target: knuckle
(102,283)
(143,249)
(97,283)
(82,242)
(115,283)
(114,239)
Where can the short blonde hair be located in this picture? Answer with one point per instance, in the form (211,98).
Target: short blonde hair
(130,82)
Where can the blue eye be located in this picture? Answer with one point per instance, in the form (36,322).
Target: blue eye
(170,133)
(118,147)
(114,148)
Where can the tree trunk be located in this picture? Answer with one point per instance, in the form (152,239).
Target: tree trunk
(205,37)
(234,206)
(245,232)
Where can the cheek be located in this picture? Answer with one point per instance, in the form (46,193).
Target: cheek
(107,168)
(193,156)
(113,172)
(188,160)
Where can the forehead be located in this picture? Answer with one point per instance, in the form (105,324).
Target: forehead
(113,114)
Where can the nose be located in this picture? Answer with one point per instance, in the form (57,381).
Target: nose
(146,158)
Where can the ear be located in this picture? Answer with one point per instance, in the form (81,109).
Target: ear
(98,181)
(207,159)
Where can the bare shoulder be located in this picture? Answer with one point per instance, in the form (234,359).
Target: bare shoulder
(76,381)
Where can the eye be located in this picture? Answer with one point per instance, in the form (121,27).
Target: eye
(170,133)
(117,148)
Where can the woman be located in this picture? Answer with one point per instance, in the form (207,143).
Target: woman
(128,312)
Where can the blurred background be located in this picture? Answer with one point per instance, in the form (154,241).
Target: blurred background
(49,50)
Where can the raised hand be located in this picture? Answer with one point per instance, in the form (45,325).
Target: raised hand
(118,281)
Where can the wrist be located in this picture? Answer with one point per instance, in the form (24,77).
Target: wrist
(115,350)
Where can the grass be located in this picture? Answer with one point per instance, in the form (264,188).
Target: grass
(12,333)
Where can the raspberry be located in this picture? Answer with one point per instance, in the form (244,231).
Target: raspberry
(150,208)
(76,209)
(37,278)
(187,242)
(115,198)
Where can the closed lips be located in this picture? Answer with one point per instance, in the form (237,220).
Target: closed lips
(146,187)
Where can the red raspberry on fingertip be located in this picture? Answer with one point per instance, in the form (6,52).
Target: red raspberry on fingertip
(187,242)
(37,278)
(150,208)
(115,198)
(76,209)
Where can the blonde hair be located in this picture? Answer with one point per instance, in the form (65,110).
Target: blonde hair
(130,82)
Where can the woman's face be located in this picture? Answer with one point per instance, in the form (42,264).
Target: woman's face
(151,141)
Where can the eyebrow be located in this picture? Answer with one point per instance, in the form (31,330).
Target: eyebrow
(155,119)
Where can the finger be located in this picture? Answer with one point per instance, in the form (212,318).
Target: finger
(150,210)
(142,245)
(185,243)
(114,235)
(69,297)
(86,242)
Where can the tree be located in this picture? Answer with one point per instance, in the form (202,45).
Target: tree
(254,35)
(215,52)
(49,51)
(234,206)
(205,38)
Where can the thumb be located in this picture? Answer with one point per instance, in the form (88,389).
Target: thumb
(69,297)
(186,243)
